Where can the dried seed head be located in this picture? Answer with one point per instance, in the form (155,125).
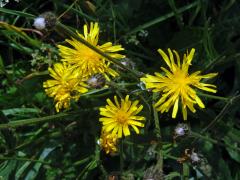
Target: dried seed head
(39,23)
(46,20)
(96,81)
(126,62)
(205,167)
(195,158)
(153,173)
(181,130)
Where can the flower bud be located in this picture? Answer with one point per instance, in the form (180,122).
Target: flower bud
(108,142)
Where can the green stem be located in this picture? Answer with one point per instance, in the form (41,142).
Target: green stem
(80,162)
(213,96)
(170,156)
(121,157)
(103,170)
(69,32)
(24,159)
(156,119)
(185,171)
(24,122)
(222,113)
(29,76)
(114,22)
(159,165)
(197,135)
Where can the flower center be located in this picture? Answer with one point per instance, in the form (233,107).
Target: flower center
(89,54)
(121,117)
(180,78)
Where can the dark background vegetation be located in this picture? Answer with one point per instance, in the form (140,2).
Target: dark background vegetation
(63,146)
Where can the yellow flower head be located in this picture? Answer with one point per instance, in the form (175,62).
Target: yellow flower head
(120,115)
(65,85)
(85,59)
(177,85)
(108,142)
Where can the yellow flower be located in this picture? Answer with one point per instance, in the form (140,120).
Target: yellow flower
(119,116)
(177,85)
(85,59)
(66,85)
(108,142)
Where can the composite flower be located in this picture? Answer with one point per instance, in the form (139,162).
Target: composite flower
(118,117)
(87,60)
(108,142)
(66,84)
(176,85)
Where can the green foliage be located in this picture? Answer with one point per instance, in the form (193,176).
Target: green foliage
(38,143)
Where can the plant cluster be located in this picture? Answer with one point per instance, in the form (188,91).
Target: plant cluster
(85,95)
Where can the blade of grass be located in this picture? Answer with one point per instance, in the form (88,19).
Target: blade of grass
(18,32)
(176,13)
(161,18)
(70,7)
(79,12)
(17,13)
(114,21)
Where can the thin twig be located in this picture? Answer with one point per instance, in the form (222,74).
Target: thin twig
(197,135)
(70,7)
(222,113)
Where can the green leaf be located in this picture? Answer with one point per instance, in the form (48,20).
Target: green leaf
(2,70)
(24,122)
(14,111)
(172,175)
(34,171)
(224,171)
(234,154)
(7,168)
